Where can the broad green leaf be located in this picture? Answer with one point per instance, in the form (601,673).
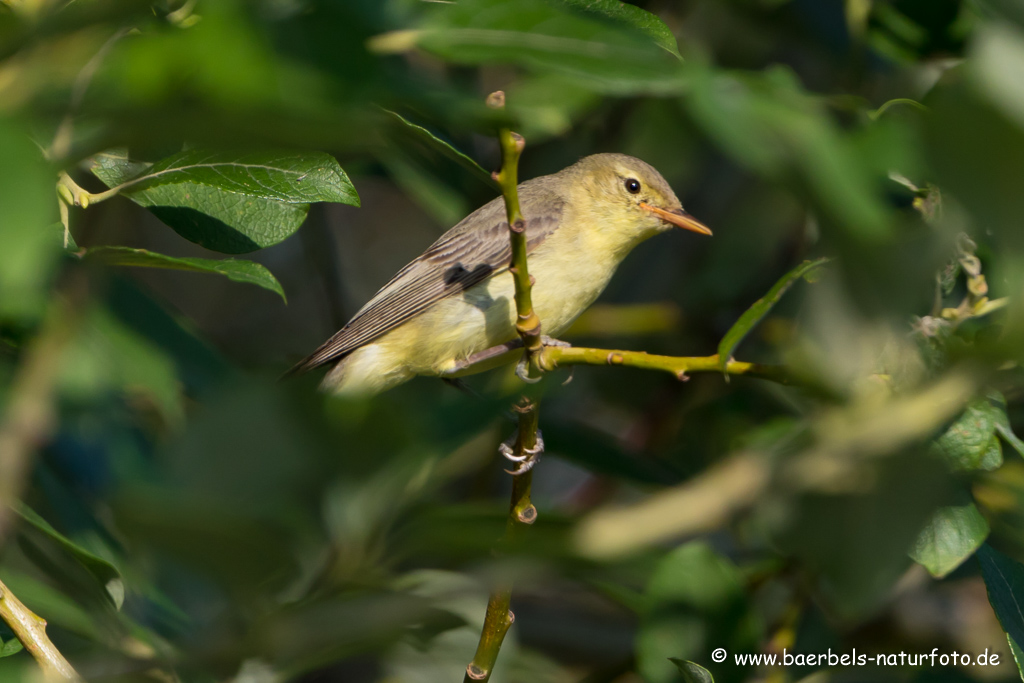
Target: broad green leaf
(970,443)
(236,270)
(231,203)
(950,537)
(692,672)
(11,647)
(107,574)
(609,56)
(753,315)
(1004,580)
(291,178)
(29,249)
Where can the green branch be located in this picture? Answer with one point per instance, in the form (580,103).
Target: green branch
(551,357)
(512,144)
(520,512)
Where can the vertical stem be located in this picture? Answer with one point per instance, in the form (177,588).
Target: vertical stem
(520,512)
(512,144)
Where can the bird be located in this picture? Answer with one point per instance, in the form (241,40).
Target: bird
(457,298)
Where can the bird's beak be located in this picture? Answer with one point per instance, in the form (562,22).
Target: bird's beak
(677,217)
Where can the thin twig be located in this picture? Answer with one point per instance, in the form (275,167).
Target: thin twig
(31,631)
(520,512)
(551,357)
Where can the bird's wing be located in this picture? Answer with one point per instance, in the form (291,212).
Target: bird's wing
(466,255)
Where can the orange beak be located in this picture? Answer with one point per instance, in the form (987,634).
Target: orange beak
(677,217)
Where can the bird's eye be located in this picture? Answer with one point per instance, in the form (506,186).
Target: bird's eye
(632,185)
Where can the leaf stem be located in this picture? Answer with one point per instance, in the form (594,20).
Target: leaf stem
(521,512)
(30,629)
(74,194)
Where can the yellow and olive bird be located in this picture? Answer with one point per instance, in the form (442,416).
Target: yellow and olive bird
(457,298)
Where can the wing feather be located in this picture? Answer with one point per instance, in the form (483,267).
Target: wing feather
(466,255)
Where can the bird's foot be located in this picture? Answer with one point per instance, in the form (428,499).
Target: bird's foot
(526,461)
(523,366)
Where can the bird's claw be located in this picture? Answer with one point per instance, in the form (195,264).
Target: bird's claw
(523,370)
(527,460)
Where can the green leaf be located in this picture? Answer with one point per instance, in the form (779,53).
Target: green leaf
(632,16)
(753,315)
(970,443)
(291,178)
(230,202)
(107,574)
(1004,580)
(692,672)
(950,537)
(1018,655)
(11,647)
(608,56)
(419,134)
(236,270)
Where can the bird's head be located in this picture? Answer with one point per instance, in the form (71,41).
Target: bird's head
(629,194)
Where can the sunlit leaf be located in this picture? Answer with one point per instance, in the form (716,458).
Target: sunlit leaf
(617,57)
(236,270)
(630,15)
(753,315)
(230,202)
(950,537)
(970,443)
(301,178)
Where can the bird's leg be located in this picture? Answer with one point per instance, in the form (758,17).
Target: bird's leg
(527,460)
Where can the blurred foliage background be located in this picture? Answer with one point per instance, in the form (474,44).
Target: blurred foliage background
(177,514)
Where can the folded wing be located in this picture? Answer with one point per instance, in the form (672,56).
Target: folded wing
(466,255)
